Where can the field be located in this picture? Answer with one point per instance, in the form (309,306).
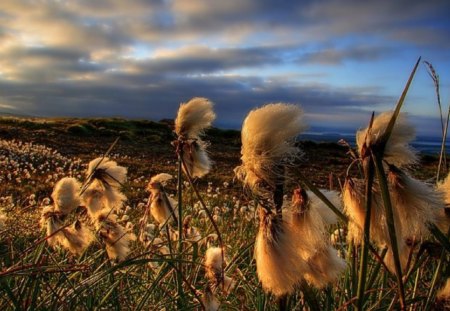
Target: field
(36,153)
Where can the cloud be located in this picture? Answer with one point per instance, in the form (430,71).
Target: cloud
(142,58)
(336,56)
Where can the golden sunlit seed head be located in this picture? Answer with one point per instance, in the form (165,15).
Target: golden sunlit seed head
(268,137)
(66,195)
(116,238)
(443,297)
(325,267)
(196,159)
(161,205)
(397,150)
(214,263)
(416,203)
(278,265)
(76,238)
(194,117)
(107,171)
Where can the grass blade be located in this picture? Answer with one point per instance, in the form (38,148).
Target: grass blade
(381,176)
(388,132)
(366,240)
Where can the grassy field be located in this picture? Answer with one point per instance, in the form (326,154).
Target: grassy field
(36,153)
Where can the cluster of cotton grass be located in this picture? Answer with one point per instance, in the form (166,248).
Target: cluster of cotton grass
(102,199)
(292,244)
(415,203)
(75,238)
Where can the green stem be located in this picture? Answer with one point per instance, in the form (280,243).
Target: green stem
(366,240)
(180,301)
(391,226)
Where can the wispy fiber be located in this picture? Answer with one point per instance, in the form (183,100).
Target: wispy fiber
(192,119)
(268,141)
(397,151)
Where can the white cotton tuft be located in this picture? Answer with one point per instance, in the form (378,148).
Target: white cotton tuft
(209,301)
(3,220)
(214,263)
(97,198)
(108,172)
(443,297)
(325,267)
(161,178)
(443,217)
(161,206)
(311,241)
(115,236)
(214,270)
(398,151)
(278,265)
(51,221)
(328,216)
(403,253)
(268,137)
(415,202)
(66,195)
(354,207)
(307,225)
(194,117)
(77,238)
(196,158)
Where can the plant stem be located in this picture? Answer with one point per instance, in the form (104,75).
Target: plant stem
(366,240)
(442,156)
(391,226)
(180,300)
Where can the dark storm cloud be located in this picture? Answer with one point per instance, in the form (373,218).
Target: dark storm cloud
(335,56)
(234,97)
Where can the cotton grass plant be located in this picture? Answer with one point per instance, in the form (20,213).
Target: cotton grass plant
(265,248)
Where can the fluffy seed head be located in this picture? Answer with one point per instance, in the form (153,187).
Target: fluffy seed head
(51,221)
(76,238)
(443,297)
(268,137)
(398,151)
(161,179)
(209,301)
(115,236)
(443,217)
(308,220)
(161,206)
(415,202)
(278,264)
(354,207)
(325,267)
(107,171)
(196,158)
(66,195)
(97,198)
(194,117)
(213,263)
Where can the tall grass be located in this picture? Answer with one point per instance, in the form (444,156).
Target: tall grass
(168,271)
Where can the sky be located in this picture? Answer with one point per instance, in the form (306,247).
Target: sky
(338,59)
